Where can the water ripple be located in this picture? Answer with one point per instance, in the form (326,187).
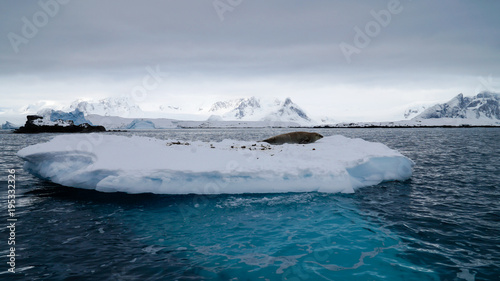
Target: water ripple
(442,224)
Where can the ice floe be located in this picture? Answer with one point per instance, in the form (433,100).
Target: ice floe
(112,163)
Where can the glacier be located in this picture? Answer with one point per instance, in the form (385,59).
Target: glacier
(141,124)
(52,117)
(113,163)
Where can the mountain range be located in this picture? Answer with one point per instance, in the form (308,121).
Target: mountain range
(413,111)
(484,106)
(244,109)
(253,109)
(481,109)
(121,106)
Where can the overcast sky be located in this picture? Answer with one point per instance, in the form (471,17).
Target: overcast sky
(350,60)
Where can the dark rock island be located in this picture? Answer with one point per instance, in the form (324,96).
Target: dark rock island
(37,124)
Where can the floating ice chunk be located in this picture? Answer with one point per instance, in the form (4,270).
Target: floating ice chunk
(141,124)
(113,163)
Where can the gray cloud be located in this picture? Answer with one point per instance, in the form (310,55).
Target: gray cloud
(120,33)
(428,41)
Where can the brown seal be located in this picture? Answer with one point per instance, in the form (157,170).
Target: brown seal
(294,137)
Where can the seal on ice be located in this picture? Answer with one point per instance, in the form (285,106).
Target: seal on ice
(294,137)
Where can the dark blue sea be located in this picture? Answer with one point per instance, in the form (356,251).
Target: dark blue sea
(442,224)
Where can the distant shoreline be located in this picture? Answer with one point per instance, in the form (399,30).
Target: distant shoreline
(402,127)
(333,127)
(297,128)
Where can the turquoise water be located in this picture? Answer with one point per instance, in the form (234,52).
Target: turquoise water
(443,224)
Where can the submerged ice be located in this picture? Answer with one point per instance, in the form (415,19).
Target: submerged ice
(112,163)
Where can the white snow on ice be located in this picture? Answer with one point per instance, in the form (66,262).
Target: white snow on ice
(111,163)
(47,122)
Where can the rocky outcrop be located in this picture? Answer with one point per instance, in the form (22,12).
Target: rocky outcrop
(37,124)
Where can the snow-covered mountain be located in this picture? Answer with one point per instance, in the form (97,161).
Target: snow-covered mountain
(122,113)
(242,108)
(9,126)
(253,109)
(414,111)
(239,108)
(229,105)
(35,107)
(288,111)
(485,106)
(266,112)
(121,106)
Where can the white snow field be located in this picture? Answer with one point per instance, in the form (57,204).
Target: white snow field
(112,163)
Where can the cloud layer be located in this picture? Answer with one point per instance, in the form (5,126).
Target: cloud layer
(53,50)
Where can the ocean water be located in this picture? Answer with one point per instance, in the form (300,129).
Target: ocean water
(442,224)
